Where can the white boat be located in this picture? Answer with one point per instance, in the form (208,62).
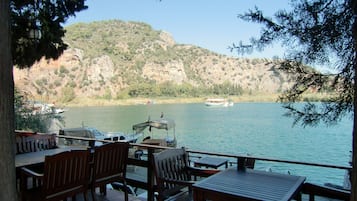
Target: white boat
(168,125)
(45,108)
(90,132)
(221,102)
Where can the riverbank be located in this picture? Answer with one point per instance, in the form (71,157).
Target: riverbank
(251,98)
(85,102)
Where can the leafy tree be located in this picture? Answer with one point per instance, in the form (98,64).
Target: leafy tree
(18,20)
(168,89)
(26,118)
(45,16)
(68,94)
(316,32)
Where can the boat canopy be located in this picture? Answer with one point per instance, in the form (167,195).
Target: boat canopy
(166,124)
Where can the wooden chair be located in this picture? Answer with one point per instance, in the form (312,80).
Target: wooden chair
(45,141)
(174,176)
(34,142)
(25,142)
(65,175)
(109,165)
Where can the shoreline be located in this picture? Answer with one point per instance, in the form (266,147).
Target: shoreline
(91,102)
(252,98)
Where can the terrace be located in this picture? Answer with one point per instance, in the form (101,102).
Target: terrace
(140,171)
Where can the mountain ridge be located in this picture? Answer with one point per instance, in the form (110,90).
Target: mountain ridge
(107,57)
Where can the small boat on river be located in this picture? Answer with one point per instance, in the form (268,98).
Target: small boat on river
(90,132)
(168,125)
(44,108)
(221,102)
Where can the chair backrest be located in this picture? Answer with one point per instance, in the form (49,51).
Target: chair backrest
(109,163)
(23,141)
(66,174)
(44,141)
(250,163)
(34,142)
(171,164)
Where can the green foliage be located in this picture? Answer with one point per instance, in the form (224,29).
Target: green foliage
(170,89)
(63,70)
(67,94)
(45,16)
(316,32)
(57,83)
(108,94)
(226,88)
(123,94)
(41,82)
(143,90)
(72,84)
(130,45)
(27,118)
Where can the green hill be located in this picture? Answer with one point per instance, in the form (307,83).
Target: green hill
(116,59)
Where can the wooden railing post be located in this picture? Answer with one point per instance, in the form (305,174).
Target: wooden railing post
(150,175)
(241,163)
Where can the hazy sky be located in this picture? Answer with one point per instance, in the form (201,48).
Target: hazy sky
(211,24)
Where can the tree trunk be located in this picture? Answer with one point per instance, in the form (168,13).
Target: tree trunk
(7,155)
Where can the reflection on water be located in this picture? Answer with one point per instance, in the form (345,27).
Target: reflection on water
(255,128)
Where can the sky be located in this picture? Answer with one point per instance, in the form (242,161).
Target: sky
(210,24)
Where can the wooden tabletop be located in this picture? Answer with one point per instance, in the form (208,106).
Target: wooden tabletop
(38,157)
(249,184)
(212,162)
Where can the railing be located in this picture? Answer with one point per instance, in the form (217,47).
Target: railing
(308,188)
(148,182)
(270,159)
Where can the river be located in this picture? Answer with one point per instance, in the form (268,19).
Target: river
(258,129)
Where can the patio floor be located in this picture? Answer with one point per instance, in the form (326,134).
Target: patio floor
(112,195)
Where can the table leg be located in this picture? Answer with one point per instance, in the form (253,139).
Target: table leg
(198,195)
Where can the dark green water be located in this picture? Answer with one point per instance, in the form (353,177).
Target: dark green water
(258,129)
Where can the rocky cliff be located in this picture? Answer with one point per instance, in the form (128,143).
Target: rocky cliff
(106,57)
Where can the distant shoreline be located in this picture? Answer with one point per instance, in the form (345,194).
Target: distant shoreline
(87,102)
(255,98)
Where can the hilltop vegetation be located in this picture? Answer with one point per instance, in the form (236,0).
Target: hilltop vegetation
(118,60)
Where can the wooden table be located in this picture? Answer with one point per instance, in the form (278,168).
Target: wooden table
(231,185)
(33,158)
(212,162)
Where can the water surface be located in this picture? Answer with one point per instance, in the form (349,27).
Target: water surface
(258,129)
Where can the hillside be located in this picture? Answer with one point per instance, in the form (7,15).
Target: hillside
(106,58)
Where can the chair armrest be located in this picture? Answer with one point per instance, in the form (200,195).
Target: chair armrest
(202,172)
(29,173)
(25,173)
